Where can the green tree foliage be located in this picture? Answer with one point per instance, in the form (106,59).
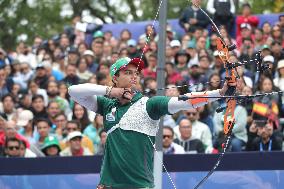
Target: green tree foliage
(19,17)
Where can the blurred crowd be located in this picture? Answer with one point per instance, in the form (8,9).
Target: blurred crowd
(37,117)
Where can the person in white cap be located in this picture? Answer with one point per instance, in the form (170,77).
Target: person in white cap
(269,60)
(279,81)
(90,59)
(131,121)
(24,121)
(75,148)
(175,46)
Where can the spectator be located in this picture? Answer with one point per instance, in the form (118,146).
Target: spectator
(281,23)
(195,77)
(3,119)
(184,41)
(200,130)
(82,47)
(170,147)
(246,17)
(172,75)
(101,79)
(52,92)
(80,114)
(181,60)
(205,69)
(41,77)
(82,72)
(64,41)
(25,122)
(175,46)
(246,33)
(101,148)
(277,51)
(107,51)
(190,144)
(223,12)
(5,82)
(33,90)
(25,101)
(9,108)
(23,75)
(71,78)
(76,126)
(169,54)
(125,35)
(60,122)
(277,34)
(258,39)
(132,48)
(12,147)
(50,71)
(201,43)
(75,149)
(16,89)
(90,60)
(97,48)
(92,131)
(266,27)
(265,50)
(25,55)
(98,36)
(191,50)
(123,52)
(279,81)
(38,107)
(72,56)
(267,106)
(247,52)
(104,68)
(191,18)
(150,86)
(150,33)
(43,127)
(63,91)
(252,133)
(150,71)
(51,146)
(269,60)
(52,110)
(266,141)
(4,59)
(26,152)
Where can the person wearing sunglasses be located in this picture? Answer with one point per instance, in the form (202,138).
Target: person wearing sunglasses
(170,147)
(12,147)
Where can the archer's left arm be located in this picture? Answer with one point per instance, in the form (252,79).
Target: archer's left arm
(159,106)
(176,105)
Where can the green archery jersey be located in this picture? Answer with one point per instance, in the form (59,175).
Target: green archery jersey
(128,158)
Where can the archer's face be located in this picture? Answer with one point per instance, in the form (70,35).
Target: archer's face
(128,77)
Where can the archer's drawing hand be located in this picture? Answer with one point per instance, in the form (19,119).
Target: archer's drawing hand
(124,95)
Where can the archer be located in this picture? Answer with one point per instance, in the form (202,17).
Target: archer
(131,121)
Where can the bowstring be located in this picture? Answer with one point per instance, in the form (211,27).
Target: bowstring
(141,56)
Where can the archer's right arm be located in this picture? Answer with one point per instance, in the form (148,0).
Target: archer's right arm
(86,94)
